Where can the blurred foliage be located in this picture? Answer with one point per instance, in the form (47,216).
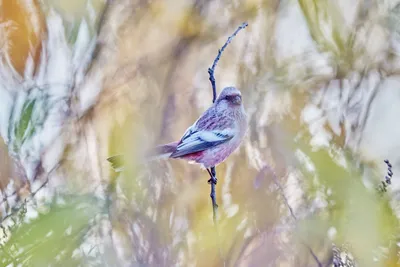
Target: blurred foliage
(148,82)
(325,23)
(52,237)
(352,209)
(22,29)
(25,128)
(74,12)
(27,118)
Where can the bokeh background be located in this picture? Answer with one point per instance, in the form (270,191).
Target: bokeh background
(81,80)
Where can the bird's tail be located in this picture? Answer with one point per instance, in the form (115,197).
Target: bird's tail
(162,151)
(159,152)
(117,162)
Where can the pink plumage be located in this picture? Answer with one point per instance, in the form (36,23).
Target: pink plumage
(215,135)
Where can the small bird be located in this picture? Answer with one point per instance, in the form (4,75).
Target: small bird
(211,139)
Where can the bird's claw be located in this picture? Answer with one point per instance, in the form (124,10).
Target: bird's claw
(212,180)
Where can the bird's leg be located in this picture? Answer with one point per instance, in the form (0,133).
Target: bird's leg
(214,175)
(213,179)
(213,182)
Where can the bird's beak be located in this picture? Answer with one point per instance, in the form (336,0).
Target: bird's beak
(237,100)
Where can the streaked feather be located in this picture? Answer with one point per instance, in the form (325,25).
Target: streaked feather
(196,141)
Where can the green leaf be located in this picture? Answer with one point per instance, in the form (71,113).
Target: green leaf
(361,217)
(24,128)
(52,237)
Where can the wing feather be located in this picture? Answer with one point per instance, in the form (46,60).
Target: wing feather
(117,162)
(195,141)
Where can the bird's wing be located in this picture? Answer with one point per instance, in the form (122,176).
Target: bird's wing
(189,131)
(197,140)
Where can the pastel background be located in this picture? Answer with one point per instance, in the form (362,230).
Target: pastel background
(81,80)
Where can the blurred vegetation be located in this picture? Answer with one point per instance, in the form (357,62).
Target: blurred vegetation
(52,237)
(298,189)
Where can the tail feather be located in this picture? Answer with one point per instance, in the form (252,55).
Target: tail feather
(117,162)
(162,151)
(159,152)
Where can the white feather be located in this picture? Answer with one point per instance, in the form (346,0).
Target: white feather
(192,138)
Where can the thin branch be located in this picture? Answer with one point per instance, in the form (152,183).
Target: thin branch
(102,19)
(213,182)
(32,195)
(212,69)
(366,111)
(388,178)
(212,172)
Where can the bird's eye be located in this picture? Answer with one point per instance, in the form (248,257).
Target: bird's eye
(235,99)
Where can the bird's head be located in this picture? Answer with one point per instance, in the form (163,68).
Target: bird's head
(230,96)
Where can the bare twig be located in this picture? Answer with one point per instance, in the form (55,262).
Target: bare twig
(100,25)
(364,114)
(212,69)
(212,172)
(32,195)
(388,178)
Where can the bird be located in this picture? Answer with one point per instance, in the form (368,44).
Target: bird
(210,140)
